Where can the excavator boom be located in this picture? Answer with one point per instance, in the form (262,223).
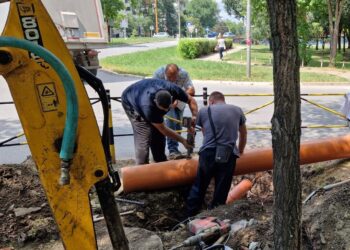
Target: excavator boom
(42,102)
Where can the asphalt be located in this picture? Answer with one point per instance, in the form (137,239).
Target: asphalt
(10,125)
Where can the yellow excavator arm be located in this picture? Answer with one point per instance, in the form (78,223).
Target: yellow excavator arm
(41,100)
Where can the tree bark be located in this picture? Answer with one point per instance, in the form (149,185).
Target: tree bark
(344,38)
(334,27)
(317,40)
(286,122)
(323,42)
(339,40)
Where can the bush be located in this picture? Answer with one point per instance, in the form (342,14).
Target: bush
(305,53)
(194,48)
(228,43)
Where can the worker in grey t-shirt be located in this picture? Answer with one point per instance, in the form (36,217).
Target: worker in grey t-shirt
(229,124)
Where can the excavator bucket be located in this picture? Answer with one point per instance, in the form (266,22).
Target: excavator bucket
(40,100)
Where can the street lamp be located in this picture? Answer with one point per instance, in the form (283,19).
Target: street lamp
(179,16)
(248,39)
(151,29)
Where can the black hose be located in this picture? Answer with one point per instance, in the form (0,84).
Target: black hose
(97,85)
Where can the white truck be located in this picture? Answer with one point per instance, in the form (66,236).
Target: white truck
(81,25)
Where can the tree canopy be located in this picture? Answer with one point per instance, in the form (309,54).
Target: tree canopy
(205,10)
(111,8)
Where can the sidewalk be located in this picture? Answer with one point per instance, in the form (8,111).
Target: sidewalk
(216,57)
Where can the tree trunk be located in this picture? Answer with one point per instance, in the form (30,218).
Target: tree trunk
(323,43)
(334,27)
(339,40)
(286,122)
(348,37)
(344,38)
(317,43)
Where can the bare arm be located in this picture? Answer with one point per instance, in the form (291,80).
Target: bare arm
(191,91)
(193,106)
(242,138)
(171,133)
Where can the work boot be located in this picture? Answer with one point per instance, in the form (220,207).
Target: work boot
(176,155)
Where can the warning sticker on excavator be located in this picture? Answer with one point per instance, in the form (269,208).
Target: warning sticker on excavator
(48,97)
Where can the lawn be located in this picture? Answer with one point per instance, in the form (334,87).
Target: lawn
(261,55)
(145,63)
(137,40)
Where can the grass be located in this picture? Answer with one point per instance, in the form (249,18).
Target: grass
(323,56)
(261,55)
(145,63)
(137,40)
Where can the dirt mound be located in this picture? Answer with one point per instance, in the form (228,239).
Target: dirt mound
(21,193)
(326,219)
(326,215)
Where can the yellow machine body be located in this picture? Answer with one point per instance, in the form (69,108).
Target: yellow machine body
(39,98)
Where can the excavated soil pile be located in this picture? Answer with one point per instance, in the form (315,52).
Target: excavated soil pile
(24,213)
(27,221)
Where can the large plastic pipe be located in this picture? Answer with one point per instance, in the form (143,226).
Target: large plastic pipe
(182,172)
(239,191)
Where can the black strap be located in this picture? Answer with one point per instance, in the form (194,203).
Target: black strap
(212,124)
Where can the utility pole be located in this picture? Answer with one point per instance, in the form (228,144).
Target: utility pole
(156,13)
(179,8)
(248,39)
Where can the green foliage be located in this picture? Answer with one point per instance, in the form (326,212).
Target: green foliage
(234,7)
(235,28)
(111,8)
(194,48)
(205,10)
(228,43)
(146,62)
(134,33)
(167,16)
(305,53)
(196,22)
(138,40)
(220,27)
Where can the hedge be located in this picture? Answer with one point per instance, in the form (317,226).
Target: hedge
(194,48)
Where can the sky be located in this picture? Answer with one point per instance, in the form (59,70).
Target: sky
(223,13)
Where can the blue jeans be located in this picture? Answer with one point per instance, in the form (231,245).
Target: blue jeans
(176,114)
(207,169)
(221,51)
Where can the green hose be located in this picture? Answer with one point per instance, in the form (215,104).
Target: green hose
(70,128)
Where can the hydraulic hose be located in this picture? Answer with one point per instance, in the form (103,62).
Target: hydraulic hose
(70,128)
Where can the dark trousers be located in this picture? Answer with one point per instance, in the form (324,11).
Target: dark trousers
(221,52)
(207,169)
(146,137)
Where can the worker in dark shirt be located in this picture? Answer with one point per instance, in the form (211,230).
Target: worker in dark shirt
(222,124)
(145,103)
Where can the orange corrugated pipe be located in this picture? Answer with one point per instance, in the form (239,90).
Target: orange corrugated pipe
(239,191)
(182,172)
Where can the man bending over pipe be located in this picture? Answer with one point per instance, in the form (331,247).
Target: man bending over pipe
(145,103)
(173,73)
(221,123)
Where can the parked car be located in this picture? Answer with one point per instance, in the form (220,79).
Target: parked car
(161,34)
(212,34)
(228,35)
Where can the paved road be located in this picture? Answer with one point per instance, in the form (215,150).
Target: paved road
(10,125)
(120,50)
